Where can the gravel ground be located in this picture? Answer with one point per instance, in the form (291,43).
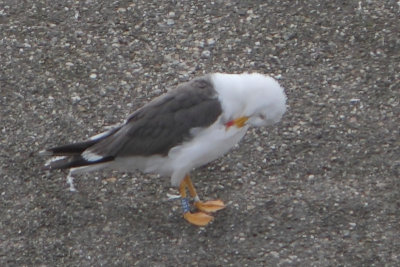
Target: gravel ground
(320,189)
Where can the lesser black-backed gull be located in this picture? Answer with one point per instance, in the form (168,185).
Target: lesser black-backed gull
(179,131)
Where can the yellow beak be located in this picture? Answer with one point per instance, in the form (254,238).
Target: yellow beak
(239,122)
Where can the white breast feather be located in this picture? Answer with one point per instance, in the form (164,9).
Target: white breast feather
(208,145)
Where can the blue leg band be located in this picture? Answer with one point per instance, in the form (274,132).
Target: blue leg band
(185,204)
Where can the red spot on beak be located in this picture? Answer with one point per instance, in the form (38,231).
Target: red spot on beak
(229,123)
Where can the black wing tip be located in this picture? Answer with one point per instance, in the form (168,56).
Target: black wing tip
(73,149)
(46,167)
(69,162)
(46,153)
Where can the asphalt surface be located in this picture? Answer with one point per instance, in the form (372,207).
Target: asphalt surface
(320,189)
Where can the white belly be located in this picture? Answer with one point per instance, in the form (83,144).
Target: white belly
(208,145)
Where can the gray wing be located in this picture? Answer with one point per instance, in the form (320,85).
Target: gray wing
(165,122)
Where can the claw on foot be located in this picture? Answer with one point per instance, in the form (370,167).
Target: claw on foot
(198,218)
(210,206)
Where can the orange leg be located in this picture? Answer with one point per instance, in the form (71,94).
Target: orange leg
(208,206)
(198,218)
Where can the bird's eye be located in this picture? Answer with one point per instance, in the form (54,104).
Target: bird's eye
(261,116)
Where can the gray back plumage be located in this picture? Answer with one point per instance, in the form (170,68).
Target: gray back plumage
(164,122)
